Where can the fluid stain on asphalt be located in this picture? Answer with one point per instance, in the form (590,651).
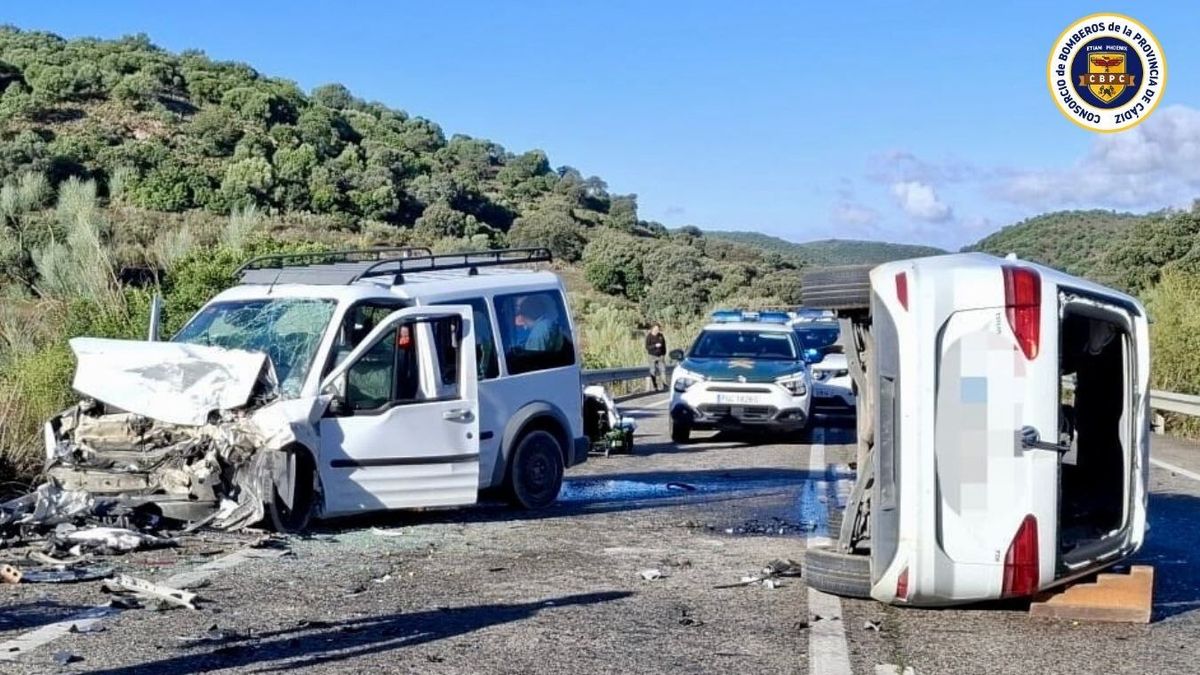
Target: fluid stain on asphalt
(598,490)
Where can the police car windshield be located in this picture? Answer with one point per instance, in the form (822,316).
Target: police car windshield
(744,344)
(817,336)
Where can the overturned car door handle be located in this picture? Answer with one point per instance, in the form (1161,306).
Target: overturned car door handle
(1030,440)
(457,415)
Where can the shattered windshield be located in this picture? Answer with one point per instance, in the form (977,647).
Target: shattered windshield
(286,329)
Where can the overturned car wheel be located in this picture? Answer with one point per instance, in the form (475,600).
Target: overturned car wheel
(845,288)
(537,471)
(296,518)
(843,574)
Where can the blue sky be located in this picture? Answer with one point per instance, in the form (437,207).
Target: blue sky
(917,122)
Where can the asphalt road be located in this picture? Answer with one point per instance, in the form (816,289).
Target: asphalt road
(491,590)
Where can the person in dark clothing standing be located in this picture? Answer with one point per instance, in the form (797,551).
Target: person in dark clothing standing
(656,353)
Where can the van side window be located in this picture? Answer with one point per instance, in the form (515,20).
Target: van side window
(389,373)
(535,330)
(358,323)
(485,342)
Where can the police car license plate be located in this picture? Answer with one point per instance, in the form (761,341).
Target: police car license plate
(738,399)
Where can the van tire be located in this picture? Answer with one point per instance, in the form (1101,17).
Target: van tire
(304,498)
(838,573)
(681,432)
(845,288)
(536,475)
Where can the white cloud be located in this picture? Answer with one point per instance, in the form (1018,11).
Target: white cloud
(1153,165)
(854,215)
(920,201)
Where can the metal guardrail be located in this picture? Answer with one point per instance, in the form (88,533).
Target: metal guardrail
(1169,401)
(609,375)
(1184,404)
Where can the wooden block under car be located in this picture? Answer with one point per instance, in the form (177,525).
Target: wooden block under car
(1123,597)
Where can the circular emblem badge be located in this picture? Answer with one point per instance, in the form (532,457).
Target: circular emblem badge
(1106,72)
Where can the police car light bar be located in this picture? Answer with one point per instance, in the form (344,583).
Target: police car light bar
(732,315)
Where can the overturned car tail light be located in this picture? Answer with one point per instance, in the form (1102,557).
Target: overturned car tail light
(1023,304)
(1021,561)
(902,585)
(902,289)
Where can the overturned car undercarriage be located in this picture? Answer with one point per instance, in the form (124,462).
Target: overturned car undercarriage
(171,437)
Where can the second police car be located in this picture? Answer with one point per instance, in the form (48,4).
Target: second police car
(746,370)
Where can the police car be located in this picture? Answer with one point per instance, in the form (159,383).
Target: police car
(833,390)
(746,370)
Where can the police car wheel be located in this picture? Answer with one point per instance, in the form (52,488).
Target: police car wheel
(681,432)
(536,475)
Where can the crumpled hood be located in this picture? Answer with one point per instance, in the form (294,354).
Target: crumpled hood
(753,370)
(168,381)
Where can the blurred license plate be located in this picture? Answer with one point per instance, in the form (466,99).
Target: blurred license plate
(738,399)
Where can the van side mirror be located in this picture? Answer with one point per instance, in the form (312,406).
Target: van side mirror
(811,356)
(676,354)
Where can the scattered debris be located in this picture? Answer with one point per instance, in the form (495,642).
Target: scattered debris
(63,658)
(652,574)
(380,532)
(213,634)
(123,583)
(10,574)
(684,487)
(497,569)
(776,526)
(38,556)
(124,602)
(768,577)
(872,625)
(687,620)
(94,627)
(66,575)
(115,539)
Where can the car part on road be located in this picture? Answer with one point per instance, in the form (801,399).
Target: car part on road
(838,573)
(147,590)
(60,575)
(537,470)
(652,574)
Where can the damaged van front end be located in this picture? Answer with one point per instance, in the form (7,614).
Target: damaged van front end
(184,432)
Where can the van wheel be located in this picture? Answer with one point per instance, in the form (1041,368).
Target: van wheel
(296,519)
(537,471)
(841,574)
(681,432)
(847,287)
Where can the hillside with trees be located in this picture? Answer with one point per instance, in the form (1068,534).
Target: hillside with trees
(828,251)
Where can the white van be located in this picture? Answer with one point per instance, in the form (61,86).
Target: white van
(400,379)
(1003,431)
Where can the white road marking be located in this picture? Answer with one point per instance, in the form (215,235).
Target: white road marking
(27,642)
(1171,467)
(828,653)
(893,669)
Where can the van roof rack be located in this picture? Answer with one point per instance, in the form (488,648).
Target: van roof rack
(319,267)
(346,267)
(471,261)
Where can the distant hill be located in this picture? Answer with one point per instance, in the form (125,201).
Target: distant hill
(1077,242)
(828,251)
